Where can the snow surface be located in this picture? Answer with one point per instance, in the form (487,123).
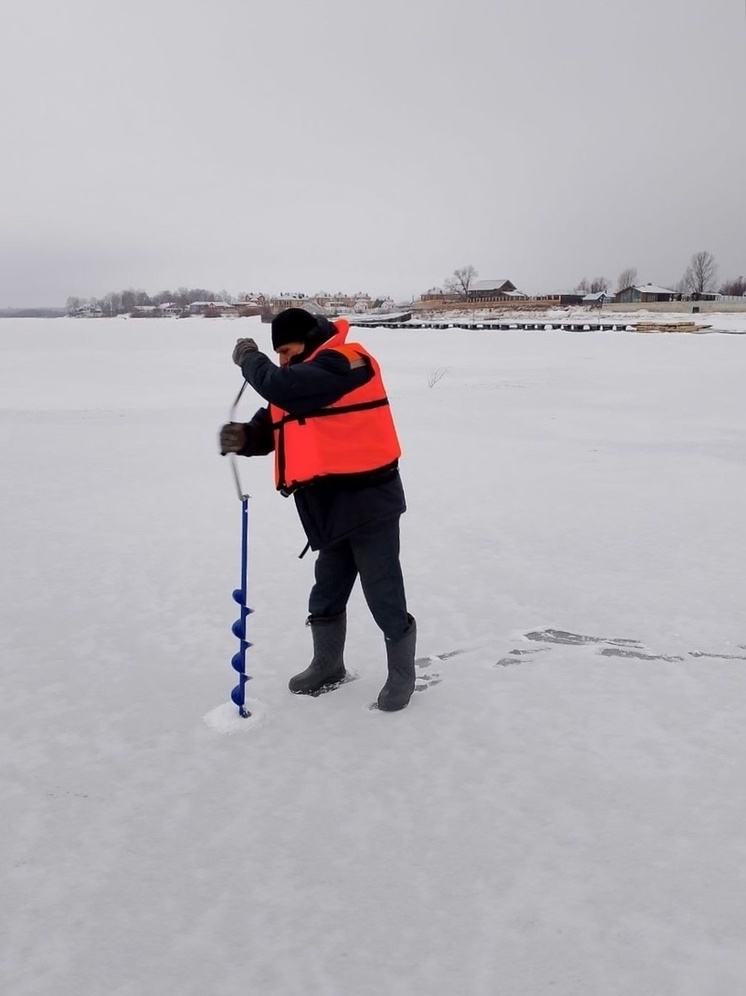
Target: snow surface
(560,810)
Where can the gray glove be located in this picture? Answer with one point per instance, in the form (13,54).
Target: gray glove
(232,438)
(242,349)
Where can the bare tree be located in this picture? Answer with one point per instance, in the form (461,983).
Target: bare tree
(701,273)
(128,300)
(461,281)
(123,302)
(734,288)
(599,284)
(111,304)
(626,278)
(583,287)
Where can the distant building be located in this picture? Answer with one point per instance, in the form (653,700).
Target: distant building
(436,296)
(284,300)
(500,294)
(647,294)
(479,292)
(342,304)
(251,304)
(598,299)
(491,287)
(170,310)
(482,291)
(328,305)
(565,298)
(86,311)
(211,309)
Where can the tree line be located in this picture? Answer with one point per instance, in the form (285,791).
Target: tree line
(124,302)
(699,277)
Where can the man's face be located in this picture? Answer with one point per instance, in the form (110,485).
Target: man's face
(288,351)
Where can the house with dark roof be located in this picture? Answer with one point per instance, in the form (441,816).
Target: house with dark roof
(564,298)
(647,294)
(498,286)
(598,299)
(493,290)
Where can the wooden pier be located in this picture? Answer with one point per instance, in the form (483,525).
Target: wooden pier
(541,326)
(537,325)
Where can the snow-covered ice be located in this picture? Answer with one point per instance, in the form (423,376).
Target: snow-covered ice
(560,810)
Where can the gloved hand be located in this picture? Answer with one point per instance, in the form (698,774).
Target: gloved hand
(232,438)
(242,349)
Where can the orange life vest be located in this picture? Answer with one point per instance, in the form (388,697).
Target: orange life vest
(351,436)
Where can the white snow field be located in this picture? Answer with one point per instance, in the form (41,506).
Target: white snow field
(561,809)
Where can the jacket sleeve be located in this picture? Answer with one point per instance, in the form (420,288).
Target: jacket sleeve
(259,438)
(305,387)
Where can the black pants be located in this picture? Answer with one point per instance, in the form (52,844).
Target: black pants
(372,553)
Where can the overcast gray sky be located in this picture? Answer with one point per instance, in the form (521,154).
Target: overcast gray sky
(343,145)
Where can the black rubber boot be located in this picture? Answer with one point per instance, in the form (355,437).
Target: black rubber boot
(327,666)
(397,691)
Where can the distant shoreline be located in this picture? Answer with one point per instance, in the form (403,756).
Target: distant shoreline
(33,312)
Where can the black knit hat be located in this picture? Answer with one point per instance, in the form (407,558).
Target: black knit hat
(296,325)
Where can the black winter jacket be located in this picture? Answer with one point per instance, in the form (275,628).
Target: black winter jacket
(339,504)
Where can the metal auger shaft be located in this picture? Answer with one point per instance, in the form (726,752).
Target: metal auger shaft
(238,661)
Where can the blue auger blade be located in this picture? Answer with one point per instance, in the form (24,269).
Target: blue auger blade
(239,628)
(238,662)
(240,597)
(238,698)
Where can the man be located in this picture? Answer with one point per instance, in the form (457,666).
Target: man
(336,451)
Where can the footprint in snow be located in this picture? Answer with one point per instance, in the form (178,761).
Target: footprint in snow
(425,681)
(519,657)
(427,678)
(605,646)
(543,640)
